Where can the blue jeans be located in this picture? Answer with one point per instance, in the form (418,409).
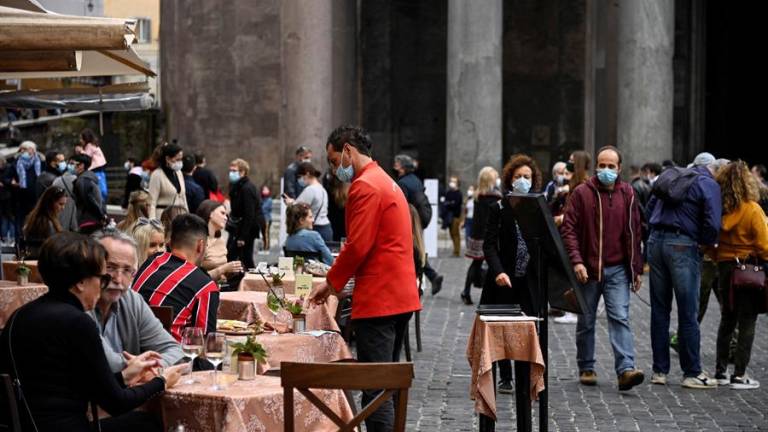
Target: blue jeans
(675,268)
(615,291)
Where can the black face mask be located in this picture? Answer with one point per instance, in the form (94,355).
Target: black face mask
(569,166)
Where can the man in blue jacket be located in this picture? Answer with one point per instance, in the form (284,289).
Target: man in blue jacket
(678,228)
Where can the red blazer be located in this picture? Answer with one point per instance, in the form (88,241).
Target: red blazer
(379,248)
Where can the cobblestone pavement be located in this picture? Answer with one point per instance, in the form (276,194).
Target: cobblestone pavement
(439,398)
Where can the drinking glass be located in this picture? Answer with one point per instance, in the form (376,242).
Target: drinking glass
(191,346)
(215,347)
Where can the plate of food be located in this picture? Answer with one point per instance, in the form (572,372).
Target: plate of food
(235,327)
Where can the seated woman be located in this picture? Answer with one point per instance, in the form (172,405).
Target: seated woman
(167,218)
(43,221)
(138,207)
(215,260)
(301,238)
(150,238)
(53,348)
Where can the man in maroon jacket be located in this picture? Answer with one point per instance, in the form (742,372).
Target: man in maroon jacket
(601,232)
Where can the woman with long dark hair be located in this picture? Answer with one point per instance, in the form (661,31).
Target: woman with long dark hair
(43,221)
(166,183)
(215,261)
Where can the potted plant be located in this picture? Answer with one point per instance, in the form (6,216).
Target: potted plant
(298,265)
(251,358)
(22,273)
(296,308)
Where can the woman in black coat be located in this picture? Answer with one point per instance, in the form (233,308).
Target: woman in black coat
(507,253)
(246,220)
(55,351)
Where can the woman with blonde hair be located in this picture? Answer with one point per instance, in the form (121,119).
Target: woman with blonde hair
(138,207)
(743,238)
(486,195)
(150,238)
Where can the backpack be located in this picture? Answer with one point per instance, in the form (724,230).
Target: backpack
(423,207)
(673,184)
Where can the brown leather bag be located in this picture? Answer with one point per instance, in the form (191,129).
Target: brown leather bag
(746,276)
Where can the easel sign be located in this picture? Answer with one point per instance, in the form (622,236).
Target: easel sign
(285,265)
(303,285)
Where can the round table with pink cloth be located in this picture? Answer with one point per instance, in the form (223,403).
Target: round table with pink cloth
(251,306)
(14,296)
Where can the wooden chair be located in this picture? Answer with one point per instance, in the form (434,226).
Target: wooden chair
(417,328)
(394,378)
(164,314)
(344,318)
(9,410)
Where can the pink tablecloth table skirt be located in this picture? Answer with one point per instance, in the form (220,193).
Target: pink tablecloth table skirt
(251,306)
(13,296)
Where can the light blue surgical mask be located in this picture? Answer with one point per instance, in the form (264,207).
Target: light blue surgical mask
(607,176)
(521,185)
(345,174)
(302,183)
(61,166)
(234,176)
(26,156)
(71,169)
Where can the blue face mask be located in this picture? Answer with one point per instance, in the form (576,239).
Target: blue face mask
(61,166)
(234,176)
(521,185)
(26,156)
(71,169)
(302,183)
(345,174)
(607,176)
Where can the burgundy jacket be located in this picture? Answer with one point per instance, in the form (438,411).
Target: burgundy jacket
(582,228)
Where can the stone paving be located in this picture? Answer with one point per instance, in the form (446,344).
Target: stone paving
(439,398)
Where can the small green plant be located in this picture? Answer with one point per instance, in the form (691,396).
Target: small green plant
(295,307)
(273,303)
(23,269)
(277,278)
(298,263)
(251,347)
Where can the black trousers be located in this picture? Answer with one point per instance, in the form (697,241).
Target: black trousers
(132,421)
(243,254)
(380,340)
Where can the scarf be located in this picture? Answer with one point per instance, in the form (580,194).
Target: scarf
(171,174)
(23,165)
(522,258)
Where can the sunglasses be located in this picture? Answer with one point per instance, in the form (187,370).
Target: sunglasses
(147,221)
(105,280)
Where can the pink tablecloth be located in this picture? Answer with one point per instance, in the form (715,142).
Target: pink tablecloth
(250,306)
(254,282)
(306,348)
(13,296)
(245,406)
(494,341)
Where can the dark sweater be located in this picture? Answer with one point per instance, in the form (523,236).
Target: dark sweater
(62,366)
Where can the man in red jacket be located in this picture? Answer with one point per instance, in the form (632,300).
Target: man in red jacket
(378,253)
(601,232)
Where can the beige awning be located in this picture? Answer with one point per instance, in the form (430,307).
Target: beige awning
(83,46)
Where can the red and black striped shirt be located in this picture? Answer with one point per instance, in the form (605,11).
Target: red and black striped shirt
(167,280)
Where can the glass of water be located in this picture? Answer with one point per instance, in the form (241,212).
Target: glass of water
(215,348)
(192,346)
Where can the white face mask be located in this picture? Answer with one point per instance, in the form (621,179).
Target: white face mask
(176,166)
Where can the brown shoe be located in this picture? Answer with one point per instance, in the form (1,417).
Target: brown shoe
(588,378)
(630,378)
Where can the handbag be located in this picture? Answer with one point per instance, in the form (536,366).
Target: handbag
(746,276)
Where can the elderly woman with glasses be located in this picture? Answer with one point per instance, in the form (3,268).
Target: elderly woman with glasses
(150,238)
(54,351)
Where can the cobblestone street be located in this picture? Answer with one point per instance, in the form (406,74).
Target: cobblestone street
(439,399)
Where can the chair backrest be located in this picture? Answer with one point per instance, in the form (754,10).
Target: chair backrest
(164,314)
(317,256)
(9,410)
(393,378)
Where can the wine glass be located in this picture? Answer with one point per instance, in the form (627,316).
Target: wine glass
(191,346)
(215,345)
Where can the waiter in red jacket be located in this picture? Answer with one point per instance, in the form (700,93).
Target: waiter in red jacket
(378,253)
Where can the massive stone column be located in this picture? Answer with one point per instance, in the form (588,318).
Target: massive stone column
(474,88)
(645,80)
(307,46)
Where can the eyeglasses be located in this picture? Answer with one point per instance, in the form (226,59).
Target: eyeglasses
(105,280)
(114,269)
(147,221)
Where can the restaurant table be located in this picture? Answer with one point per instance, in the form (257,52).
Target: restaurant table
(9,270)
(493,341)
(245,406)
(303,347)
(251,306)
(254,282)
(13,296)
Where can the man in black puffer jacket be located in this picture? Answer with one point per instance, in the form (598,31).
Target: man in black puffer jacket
(91,211)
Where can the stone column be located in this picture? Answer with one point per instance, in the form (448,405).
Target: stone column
(645,80)
(307,34)
(474,88)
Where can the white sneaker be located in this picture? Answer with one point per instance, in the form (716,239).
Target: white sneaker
(744,383)
(699,382)
(659,378)
(722,379)
(568,318)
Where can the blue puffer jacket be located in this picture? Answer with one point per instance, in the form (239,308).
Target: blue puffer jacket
(698,216)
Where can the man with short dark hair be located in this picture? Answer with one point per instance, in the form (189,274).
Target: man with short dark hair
(174,278)
(204,177)
(91,211)
(291,186)
(601,232)
(379,242)
(55,165)
(195,193)
(126,322)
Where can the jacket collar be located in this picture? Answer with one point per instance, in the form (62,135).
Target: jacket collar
(68,298)
(368,167)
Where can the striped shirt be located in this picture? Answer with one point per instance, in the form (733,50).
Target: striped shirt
(167,280)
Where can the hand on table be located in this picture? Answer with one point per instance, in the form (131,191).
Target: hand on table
(233,267)
(137,365)
(173,374)
(503,280)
